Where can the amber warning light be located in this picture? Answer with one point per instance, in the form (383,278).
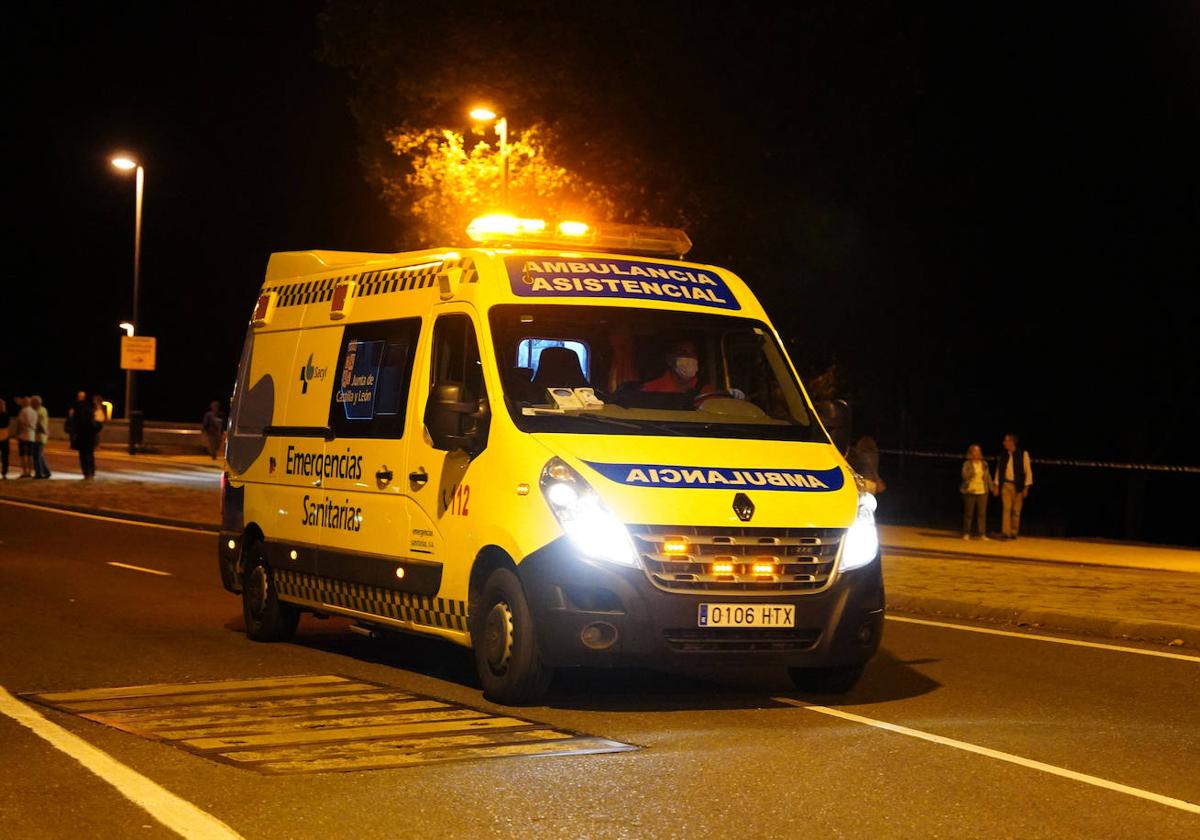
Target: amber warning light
(510,231)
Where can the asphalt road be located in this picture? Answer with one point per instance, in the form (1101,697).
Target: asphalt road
(721,755)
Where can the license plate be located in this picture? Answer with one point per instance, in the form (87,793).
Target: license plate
(747,615)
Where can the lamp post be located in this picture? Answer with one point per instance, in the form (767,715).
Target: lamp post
(487,115)
(126,164)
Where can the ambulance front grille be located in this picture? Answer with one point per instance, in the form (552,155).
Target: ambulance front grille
(680,558)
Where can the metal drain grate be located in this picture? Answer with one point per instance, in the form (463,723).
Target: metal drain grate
(317,724)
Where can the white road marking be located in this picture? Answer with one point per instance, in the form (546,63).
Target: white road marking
(138,568)
(114,519)
(177,814)
(1039,638)
(1096,781)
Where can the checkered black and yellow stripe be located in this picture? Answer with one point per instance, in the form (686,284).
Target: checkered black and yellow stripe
(402,606)
(378,282)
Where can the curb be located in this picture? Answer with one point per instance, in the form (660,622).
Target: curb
(126,515)
(938,553)
(1159,632)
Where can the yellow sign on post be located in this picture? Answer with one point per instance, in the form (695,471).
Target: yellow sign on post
(137,352)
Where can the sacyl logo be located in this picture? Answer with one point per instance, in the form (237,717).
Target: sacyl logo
(310,373)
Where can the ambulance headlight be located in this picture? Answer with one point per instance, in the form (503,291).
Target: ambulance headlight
(584,518)
(861,544)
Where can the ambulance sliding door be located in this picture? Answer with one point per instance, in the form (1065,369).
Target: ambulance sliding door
(298,441)
(365,521)
(259,409)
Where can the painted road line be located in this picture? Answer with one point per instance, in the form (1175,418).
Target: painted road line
(308,724)
(1096,781)
(251,719)
(216,697)
(286,706)
(139,569)
(1039,638)
(577,746)
(175,813)
(63,698)
(312,724)
(208,532)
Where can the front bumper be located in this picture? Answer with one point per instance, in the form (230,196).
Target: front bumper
(597,614)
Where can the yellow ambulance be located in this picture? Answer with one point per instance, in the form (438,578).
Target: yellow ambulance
(563,446)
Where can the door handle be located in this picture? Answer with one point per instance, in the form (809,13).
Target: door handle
(384,475)
(419,477)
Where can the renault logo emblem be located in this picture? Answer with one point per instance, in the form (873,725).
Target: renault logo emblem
(743,507)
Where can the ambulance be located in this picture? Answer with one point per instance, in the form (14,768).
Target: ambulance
(563,446)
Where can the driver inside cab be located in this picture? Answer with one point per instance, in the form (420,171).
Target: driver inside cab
(682,374)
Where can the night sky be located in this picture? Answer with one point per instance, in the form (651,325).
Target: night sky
(985,215)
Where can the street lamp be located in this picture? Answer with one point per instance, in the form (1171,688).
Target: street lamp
(486,115)
(128,327)
(126,164)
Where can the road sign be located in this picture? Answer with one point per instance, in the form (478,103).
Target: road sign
(137,352)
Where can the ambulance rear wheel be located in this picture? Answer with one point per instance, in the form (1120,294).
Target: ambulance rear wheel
(505,642)
(267,619)
(837,680)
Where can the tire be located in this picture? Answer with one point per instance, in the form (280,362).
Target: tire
(505,643)
(267,619)
(837,680)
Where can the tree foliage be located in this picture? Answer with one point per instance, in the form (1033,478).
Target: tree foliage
(453,177)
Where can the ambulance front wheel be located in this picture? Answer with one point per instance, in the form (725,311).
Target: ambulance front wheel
(838,680)
(505,642)
(267,620)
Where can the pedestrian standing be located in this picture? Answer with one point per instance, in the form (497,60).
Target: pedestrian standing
(83,434)
(40,468)
(99,415)
(863,458)
(26,435)
(213,426)
(1011,482)
(976,481)
(4,444)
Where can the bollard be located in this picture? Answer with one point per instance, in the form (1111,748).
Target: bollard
(137,423)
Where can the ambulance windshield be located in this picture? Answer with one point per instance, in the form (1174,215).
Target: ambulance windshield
(623,370)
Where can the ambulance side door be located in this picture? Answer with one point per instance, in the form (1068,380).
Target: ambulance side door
(441,482)
(365,523)
(297,443)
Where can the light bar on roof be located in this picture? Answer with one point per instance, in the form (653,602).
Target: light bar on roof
(502,230)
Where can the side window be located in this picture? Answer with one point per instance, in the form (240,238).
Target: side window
(374,373)
(529,352)
(456,355)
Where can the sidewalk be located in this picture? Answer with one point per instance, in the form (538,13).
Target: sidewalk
(1104,589)
(1112,590)
(928,542)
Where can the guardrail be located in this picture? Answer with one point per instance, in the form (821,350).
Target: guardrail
(1071,497)
(157,435)
(1055,462)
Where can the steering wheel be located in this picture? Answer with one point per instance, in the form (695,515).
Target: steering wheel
(707,395)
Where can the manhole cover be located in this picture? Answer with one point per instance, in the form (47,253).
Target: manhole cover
(316,724)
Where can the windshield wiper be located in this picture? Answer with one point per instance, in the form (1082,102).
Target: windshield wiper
(639,425)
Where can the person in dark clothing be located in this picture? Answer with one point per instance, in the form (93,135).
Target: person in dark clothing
(4,444)
(1011,482)
(83,430)
(213,427)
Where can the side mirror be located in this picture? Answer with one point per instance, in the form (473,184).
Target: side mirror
(836,417)
(455,418)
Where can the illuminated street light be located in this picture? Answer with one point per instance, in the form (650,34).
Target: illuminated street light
(126,164)
(486,115)
(128,327)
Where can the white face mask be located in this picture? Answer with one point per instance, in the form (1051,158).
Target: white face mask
(685,367)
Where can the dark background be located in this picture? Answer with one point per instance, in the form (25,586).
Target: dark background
(985,216)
